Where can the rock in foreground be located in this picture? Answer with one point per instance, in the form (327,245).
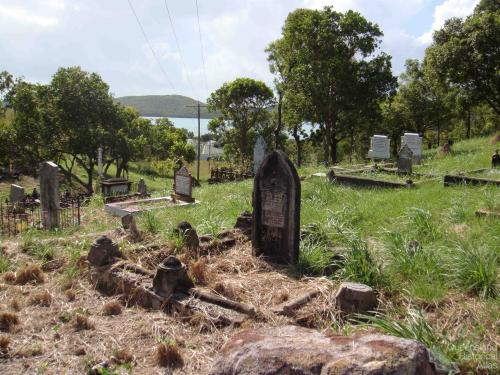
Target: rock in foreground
(292,350)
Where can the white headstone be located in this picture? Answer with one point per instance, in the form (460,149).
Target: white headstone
(380,147)
(414,142)
(259,152)
(183,183)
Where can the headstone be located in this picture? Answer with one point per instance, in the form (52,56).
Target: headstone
(49,194)
(405,160)
(259,152)
(16,193)
(142,189)
(103,252)
(495,160)
(276,209)
(171,277)
(183,185)
(446,149)
(414,142)
(188,234)
(380,147)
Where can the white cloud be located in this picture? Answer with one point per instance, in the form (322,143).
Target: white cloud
(444,11)
(21,15)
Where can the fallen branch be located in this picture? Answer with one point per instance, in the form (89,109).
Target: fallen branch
(288,307)
(223,302)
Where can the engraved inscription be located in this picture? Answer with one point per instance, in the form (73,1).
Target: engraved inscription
(183,185)
(273,208)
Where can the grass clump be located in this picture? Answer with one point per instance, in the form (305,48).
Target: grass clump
(43,252)
(41,299)
(30,273)
(199,272)
(112,308)
(5,264)
(81,323)
(7,321)
(151,223)
(4,346)
(167,354)
(315,258)
(9,277)
(422,223)
(475,270)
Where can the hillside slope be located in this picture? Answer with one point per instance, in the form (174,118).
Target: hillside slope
(164,105)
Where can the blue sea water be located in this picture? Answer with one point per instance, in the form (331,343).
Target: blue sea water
(191,124)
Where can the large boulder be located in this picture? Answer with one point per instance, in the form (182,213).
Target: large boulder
(292,350)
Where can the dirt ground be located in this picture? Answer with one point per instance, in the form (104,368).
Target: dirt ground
(50,337)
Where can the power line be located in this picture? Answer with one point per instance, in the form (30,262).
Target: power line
(149,44)
(178,45)
(201,45)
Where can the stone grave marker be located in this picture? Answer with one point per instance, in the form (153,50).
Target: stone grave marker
(405,160)
(142,189)
(183,185)
(380,147)
(49,194)
(276,209)
(414,142)
(16,194)
(259,152)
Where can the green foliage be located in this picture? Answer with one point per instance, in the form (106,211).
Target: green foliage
(475,269)
(150,222)
(42,251)
(315,258)
(422,224)
(243,104)
(5,263)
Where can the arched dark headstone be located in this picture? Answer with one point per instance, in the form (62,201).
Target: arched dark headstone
(276,209)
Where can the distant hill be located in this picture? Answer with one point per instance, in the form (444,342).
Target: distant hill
(164,106)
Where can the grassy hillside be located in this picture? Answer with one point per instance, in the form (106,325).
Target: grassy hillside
(164,105)
(433,263)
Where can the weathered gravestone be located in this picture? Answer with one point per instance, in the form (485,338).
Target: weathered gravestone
(183,185)
(142,189)
(49,194)
(16,194)
(380,147)
(276,209)
(259,152)
(405,160)
(414,142)
(495,160)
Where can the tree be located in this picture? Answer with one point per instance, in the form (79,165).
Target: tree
(466,53)
(329,58)
(243,104)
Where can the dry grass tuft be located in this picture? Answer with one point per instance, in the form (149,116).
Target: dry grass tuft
(81,323)
(70,295)
(4,345)
(41,298)
(9,277)
(168,355)
(30,273)
(122,356)
(15,305)
(7,321)
(80,351)
(199,271)
(225,290)
(112,308)
(281,296)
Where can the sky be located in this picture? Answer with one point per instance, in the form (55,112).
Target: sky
(37,37)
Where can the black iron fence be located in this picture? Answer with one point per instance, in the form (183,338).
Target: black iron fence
(16,218)
(218,175)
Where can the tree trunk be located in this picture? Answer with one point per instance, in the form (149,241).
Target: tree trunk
(298,143)
(277,131)
(333,150)
(468,123)
(439,132)
(326,143)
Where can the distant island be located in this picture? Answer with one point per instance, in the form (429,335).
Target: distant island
(164,106)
